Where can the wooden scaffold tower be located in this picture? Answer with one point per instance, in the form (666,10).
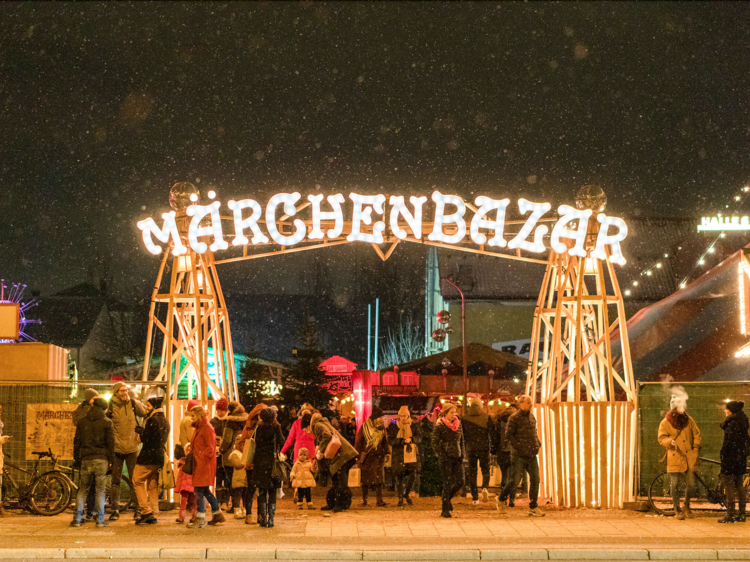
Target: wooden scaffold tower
(585,407)
(189,319)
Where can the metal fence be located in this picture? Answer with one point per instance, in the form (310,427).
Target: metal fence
(17,396)
(704,405)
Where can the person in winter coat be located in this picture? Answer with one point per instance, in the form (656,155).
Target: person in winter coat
(150,460)
(203,448)
(429,482)
(89,395)
(3,440)
(123,410)
(219,423)
(449,446)
(501,445)
(303,479)
(348,428)
(372,446)
(186,426)
(268,440)
(184,487)
(522,434)
(478,435)
(233,425)
(339,497)
(302,438)
(239,480)
(405,437)
(680,436)
(734,459)
(253,418)
(94,452)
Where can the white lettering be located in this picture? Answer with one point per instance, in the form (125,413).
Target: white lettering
(414,221)
(288,199)
(363,207)
(568,215)
(169,230)
(614,240)
(317,215)
(250,222)
(486,205)
(195,230)
(442,219)
(537,210)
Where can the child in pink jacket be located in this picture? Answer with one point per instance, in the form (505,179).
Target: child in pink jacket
(184,486)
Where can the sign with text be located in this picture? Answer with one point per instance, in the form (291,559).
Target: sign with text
(719,223)
(50,426)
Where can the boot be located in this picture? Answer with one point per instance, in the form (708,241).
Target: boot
(199,523)
(217,517)
(2,511)
(262,511)
(687,512)
(379,496)
(728,518)
(271,515)
(365,491)
(446,513)
(741,515)
(400,502)
(249,519)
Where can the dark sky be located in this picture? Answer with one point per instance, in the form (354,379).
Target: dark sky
(104,106)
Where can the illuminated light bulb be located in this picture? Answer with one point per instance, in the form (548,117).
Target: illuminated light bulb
(486,205)
(648,272)
(212,194)
(711,250)
(635,283)
(194,197)
(442,219)
(198,212)
(737,197)
(569,214)
(723,235)
(701,261)
(537,210)
(603,238)
(413,220)
(658,266)
(317,215)
(250,222)
(167,231)
(627,292)
(683,285)
(288,200)
(363,207)
(666,255)
(746,189)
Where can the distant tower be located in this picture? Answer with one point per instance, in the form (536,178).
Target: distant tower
(188,320)
(585,407)
(433,303)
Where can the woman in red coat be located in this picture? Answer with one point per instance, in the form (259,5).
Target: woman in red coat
(203,448)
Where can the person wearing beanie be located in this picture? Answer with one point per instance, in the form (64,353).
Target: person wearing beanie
(219,423)
(268,439)
(680,436)
(94,452)
(405,437)
(303,479)
(372,446)
(478,434)
(501,445)
(448,443)
(154,435)
(234,422)
(203,448)
(733,460)
(186,425)
(89,395)
(124,410)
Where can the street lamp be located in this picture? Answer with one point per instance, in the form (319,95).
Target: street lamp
(463,342)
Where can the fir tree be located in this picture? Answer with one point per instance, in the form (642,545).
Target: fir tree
(253,378)
(305,382)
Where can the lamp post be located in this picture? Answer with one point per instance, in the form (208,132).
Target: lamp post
(463,343)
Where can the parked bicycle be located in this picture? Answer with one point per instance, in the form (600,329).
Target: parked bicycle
(660,490)
(47,493)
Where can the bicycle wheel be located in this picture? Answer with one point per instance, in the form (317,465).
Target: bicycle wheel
(660,493)
(50,495)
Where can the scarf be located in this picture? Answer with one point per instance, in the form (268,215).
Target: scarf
(678,421)
(452,425)
(404,428)
(373,435)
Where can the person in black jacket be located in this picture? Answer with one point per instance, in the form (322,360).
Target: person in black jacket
(501,445)
(268,442)
(94,452)
(733,459)
(405,437)
(478,434)
(524,445)
(150,460)
(448,443)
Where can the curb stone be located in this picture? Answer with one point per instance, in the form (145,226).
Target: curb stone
(391,555)
(91,553)
(733,554)
(682,554)
(312,554)
(588,554)
(31,553)
(239,554)
(199,553)
(514,555)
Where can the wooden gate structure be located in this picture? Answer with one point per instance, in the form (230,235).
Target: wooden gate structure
(585,408)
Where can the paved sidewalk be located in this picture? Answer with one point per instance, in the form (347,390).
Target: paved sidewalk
(411,533)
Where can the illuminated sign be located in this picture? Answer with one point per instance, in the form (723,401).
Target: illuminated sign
(724,223)
(368,223)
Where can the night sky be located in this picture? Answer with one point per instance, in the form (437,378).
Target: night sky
(104,106)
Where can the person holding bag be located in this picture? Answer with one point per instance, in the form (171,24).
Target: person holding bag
(680,436)
(268,439)
(372,446)
(734,459)
(405,438)
(247,445)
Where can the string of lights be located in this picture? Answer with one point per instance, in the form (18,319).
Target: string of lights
(657,264)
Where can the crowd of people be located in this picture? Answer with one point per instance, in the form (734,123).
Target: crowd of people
(243,455)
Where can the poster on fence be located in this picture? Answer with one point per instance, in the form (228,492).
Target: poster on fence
(50,426)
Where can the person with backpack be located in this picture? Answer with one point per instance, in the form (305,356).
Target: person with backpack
(680,436)
(734,459)
(124,411)
(150,461)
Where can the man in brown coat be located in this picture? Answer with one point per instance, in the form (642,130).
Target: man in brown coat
(680,436)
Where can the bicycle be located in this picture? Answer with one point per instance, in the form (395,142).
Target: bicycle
(660,490)
(47,493)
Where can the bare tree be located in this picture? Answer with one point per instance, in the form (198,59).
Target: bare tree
(404,344)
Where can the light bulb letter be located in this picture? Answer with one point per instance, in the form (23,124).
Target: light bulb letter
(537,211)
(167,231)
(442,219)
(414,221)
(317,215)
(486,205)
(614,239)
(567,215)
(250,222)
(195,230)
(288,200)
(363,207)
